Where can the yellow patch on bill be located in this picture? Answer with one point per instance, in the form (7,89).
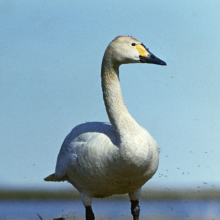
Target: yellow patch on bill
(142,51)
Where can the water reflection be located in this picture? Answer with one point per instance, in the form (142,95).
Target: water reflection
(110,209)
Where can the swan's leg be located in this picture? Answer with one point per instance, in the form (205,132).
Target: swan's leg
(135,208)
(89,213)
(87,202)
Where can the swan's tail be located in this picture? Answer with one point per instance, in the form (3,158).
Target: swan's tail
(52,178)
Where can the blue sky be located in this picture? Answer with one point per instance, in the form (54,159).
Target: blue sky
(50,61)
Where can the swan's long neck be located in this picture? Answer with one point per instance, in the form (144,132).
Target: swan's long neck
(120,118)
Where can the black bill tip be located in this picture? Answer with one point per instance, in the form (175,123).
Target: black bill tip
(150,58)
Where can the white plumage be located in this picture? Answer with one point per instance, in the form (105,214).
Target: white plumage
(101,159)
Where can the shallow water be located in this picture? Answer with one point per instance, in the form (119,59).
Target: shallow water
(110,209)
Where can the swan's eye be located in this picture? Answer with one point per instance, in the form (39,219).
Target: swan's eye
(133,44)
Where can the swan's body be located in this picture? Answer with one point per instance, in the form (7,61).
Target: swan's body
(101,159)
(92,154)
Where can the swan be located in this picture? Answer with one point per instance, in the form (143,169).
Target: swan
(101,159)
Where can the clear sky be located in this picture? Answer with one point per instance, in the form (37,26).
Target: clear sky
(50,61)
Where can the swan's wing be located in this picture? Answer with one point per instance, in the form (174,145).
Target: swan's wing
(76,141)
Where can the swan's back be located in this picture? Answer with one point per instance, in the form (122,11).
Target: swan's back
(98,135)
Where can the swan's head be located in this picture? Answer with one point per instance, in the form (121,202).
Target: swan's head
(125,49)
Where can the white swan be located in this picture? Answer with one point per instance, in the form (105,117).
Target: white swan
(101,159)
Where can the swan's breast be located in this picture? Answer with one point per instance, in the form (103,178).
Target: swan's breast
(140,153)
